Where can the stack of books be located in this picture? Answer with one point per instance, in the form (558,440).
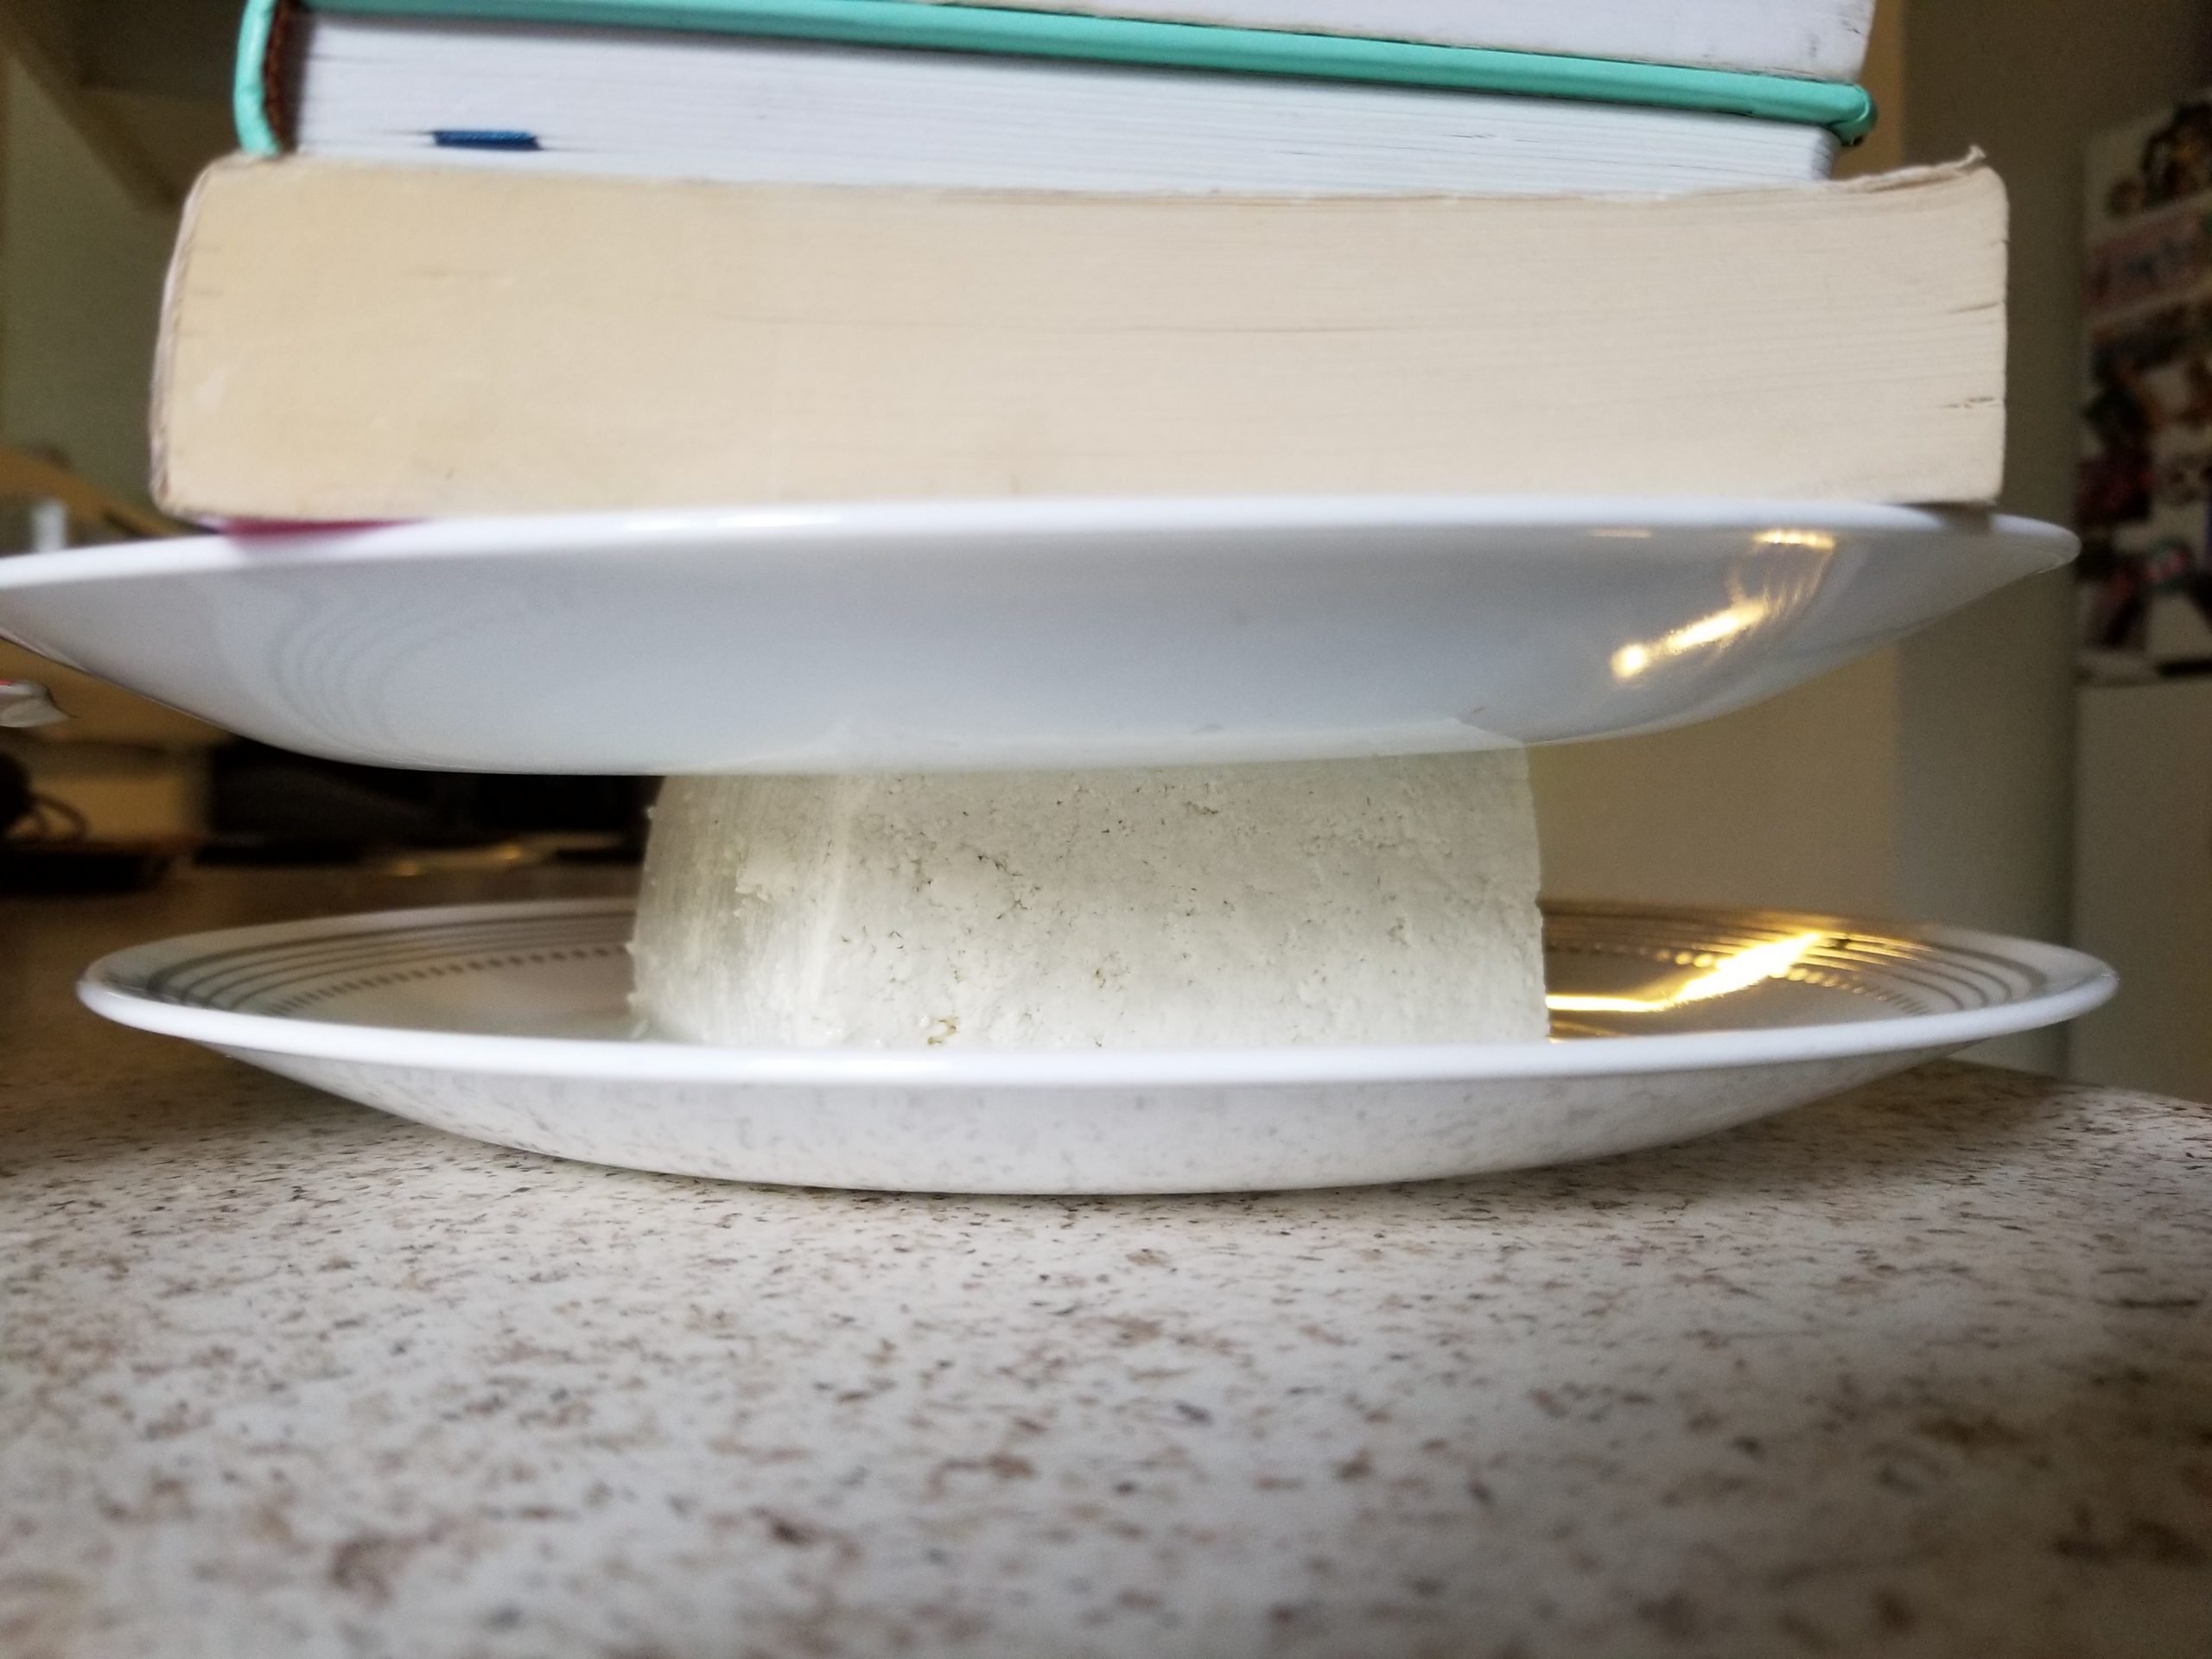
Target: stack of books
(507,255)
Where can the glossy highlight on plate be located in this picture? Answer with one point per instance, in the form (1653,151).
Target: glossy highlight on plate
(511,1023)
(981,636)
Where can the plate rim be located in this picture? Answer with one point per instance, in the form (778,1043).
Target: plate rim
(769,526)
(2084,984)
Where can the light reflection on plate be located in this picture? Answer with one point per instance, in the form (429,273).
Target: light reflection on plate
(971,636)
(510,1023)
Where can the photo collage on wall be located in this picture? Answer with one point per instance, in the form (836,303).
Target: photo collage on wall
(2143,497)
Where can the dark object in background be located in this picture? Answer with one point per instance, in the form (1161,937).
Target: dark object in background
(45,852)
(16,801)
(68,869)
(270,806)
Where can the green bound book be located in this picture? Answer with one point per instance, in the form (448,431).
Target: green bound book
(890,92)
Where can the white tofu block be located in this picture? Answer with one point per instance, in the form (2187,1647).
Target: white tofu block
(1356,901)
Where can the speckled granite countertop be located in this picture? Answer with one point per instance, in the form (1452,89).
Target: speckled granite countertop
(1926,1370)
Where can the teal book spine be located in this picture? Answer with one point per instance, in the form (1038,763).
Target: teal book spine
(254,103)
(1845,109)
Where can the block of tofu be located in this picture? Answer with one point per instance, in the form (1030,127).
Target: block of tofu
(1349,901)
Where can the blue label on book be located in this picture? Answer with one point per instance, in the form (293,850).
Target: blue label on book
(484,138)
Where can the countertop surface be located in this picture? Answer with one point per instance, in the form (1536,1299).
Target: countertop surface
(1923,1370)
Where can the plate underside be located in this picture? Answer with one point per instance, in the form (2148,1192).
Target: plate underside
(985,636)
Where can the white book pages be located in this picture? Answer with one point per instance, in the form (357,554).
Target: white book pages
(648,104)
(1817,39)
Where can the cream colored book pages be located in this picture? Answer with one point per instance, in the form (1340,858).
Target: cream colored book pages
(1820,40)
(347,341)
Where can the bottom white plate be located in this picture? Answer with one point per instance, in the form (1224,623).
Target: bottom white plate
(510,1023)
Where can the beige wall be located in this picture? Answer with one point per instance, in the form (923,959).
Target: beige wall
(1987,739)
(80,282)
(2143,889)
(1883,76)
(1985,756)
(1792,803)
(80,279)
(1934,781)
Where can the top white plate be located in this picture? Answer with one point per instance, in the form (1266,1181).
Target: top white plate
(972,636)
